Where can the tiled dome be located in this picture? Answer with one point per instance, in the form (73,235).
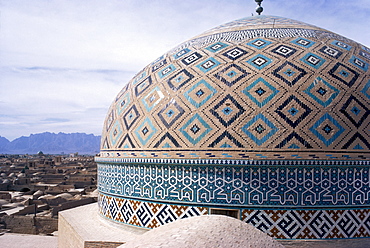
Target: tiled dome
(260,84)
(265,119)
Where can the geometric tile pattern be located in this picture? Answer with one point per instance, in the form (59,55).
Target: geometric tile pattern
(180,79)
(310,223)
(291,140)
(166,71)
(116,133)
(125,101)
(359,63)
(200,93)
(216,47)
(188,60)
(313,60)
(208,65)
(159,63)
(170,113)
(259,61)
(322,92)
(235,53)
(195,129)
(358,142)
(130,117)
(303,42)
(255,87)
(284,51)
(335,53)
(231,74)
(143,85)
(166,141)
(225,140)
(145,131)
(260,92)
(341,45)
(181,53)
(259,43)
(144,214)
(277,223)
(327,129)
(297,223)
(355,111)
(294,141)
(227,110)
(293,111)
(152,99)
(259,129)
(258,185)
(289,73)
(344,74)
(366,90)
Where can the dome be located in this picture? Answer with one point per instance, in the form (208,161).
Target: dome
(258,84)
(262,112)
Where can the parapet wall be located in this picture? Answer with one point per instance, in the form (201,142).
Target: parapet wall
(31,225)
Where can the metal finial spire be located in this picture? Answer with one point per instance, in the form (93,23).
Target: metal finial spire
(259,9)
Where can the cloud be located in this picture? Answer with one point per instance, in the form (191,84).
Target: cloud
(56,120)
(42,99)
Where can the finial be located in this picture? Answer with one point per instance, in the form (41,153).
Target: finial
(259,9)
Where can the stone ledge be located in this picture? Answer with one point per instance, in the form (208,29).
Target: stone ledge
(83,227)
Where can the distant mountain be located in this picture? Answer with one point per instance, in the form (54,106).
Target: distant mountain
(3,143)
(51,143)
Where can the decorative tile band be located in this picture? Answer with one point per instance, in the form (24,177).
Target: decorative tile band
(144,214)
(256,183)
(263,20)
(310,223)
(280,224)
(261,159)
(243,35)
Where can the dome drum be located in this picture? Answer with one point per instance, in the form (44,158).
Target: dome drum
(268,194)
(265,117)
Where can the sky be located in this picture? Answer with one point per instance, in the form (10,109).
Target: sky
(62,62)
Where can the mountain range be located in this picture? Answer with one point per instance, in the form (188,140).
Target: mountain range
(52,143)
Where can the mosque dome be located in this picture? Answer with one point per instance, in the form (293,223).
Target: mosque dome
(263,84)
(262,112)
